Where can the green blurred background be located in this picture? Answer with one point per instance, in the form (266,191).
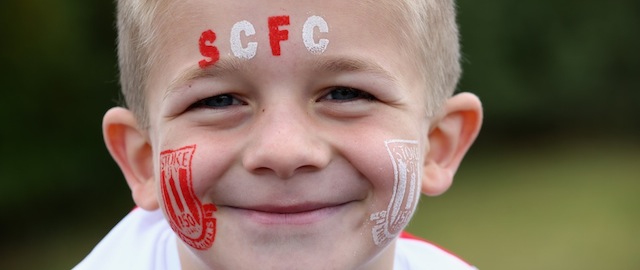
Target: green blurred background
(552,182)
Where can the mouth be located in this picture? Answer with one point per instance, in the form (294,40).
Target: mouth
(299,214)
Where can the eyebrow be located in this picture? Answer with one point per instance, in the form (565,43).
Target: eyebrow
(223,66)
(230,65)
(341,64)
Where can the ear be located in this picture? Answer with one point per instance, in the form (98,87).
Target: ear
(450,137)
(130,148)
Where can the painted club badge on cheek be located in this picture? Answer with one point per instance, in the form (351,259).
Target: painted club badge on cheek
(188,217)
(405,158)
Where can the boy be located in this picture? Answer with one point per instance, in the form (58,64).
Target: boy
(284,134)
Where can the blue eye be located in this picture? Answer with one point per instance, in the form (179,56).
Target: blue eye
(343,94)
(217,102)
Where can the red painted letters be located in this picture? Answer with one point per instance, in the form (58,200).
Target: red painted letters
(207,49)
(275,34)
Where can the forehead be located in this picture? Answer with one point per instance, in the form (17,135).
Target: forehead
(365,29)
(220,11)
(380,20)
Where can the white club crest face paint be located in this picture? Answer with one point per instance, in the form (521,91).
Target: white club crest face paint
(405,157)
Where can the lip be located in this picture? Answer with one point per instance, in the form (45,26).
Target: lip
(299,214)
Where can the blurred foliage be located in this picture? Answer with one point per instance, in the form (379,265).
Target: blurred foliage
(553,66)
(561,206)
(59,77)
(544,69)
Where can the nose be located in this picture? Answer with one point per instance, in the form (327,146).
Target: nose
(284,142)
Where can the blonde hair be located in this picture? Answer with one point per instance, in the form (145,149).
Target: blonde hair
(432,22)
(138,23)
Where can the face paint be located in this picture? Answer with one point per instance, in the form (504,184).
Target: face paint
(307,34)
(207,49)
(188,217)
(405,158)
(236,45)
(275,34)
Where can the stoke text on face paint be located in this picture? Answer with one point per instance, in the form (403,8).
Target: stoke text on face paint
(406,167)
(188,217)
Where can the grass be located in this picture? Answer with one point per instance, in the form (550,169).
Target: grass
(562,207)
(555,207)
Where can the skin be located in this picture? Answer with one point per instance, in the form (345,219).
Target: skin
(292,155)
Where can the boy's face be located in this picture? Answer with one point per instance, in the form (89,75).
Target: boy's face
(311,157)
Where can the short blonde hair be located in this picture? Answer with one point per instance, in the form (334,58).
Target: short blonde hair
(138,23)
(432,23)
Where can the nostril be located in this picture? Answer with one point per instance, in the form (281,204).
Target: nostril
(281,174)
(262,170)
(284,144)
(285,163)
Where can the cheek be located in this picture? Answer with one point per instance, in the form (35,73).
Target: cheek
(215,154)
(400,192)
(192,220)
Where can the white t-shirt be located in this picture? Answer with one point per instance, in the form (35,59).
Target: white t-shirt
(144,240)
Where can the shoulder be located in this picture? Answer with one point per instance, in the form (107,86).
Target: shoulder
(142,240)
(415,253)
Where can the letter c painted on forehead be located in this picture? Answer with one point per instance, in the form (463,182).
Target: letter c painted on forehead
(236,44)
(307,34)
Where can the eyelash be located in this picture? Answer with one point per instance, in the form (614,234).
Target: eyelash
(355,94)
(227,99)
(339,94)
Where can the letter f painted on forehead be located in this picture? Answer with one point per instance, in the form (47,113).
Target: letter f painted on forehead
(275,34)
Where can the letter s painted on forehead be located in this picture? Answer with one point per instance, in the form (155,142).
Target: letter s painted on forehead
(207,49)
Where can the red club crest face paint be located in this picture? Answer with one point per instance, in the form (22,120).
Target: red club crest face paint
(188,217)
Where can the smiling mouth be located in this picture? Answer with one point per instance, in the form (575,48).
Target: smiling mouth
(302,214)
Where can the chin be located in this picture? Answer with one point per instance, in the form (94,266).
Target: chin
(298,251)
